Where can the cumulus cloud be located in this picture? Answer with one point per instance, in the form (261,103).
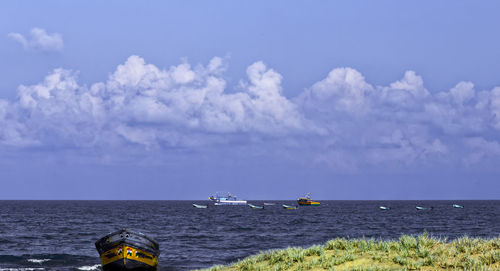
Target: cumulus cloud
(399,124)
(143,104)
(411,83)
(344,89)
(39,40)
(342,120)
(462,92)
(480,149)
(195,99)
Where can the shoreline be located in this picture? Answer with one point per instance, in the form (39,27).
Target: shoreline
(421,252)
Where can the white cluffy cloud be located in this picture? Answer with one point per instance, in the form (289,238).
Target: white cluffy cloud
(143,104)
(39,40)
(342,120)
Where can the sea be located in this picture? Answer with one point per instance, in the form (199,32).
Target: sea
(60,235)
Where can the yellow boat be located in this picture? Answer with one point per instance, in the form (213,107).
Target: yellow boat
(307,201)
(127,250)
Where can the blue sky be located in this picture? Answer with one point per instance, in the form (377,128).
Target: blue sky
(179,99)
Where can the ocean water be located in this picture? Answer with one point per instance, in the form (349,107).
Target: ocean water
(60,235)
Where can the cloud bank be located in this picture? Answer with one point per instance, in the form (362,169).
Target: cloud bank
(341,121)
(39,40)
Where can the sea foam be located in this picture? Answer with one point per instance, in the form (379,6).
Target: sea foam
(89,267)
(40,261)
(21,269)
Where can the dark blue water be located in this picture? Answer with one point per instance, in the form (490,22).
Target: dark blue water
(60,235)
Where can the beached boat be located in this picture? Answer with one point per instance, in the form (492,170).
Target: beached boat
(289,207)
(255,206)
(128,250)
(384,208)
(307,201)
(420,208)
(226,200)
(200,206)
(457,206)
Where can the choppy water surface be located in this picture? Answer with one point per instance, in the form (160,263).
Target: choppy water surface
(60,235)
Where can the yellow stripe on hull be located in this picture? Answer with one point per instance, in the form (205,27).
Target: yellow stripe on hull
(127,252)
(309,203)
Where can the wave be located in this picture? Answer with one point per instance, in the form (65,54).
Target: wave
(38,260)
(89,267)
(48,262)
(22,269)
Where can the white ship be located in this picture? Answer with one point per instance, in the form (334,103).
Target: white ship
(226,200)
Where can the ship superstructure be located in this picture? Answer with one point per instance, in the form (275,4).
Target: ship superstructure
(227,199)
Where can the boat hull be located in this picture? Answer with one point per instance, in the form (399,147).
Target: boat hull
(307,202)
(312,203)
(126,250)
(126,263)
(289,207)
(231,202)
(255,206)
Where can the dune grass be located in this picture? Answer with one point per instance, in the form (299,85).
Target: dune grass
(421,252)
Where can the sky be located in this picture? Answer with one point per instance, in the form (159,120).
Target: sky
(176,100)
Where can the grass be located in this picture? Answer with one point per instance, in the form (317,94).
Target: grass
(421,252)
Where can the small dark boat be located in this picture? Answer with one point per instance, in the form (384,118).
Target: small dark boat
(128,250)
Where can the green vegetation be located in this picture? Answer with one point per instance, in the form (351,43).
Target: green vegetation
(408,253)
